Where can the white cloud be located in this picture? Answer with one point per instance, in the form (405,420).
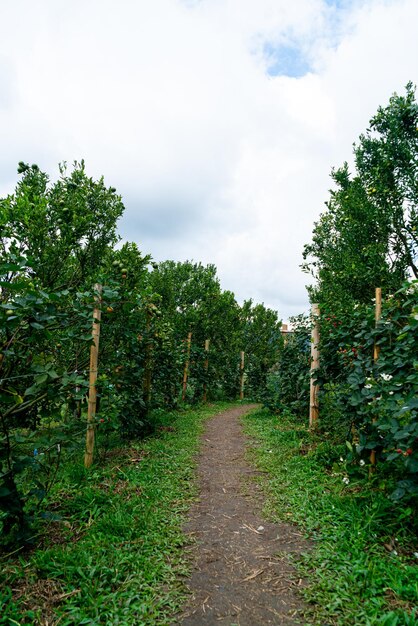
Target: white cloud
(172,101)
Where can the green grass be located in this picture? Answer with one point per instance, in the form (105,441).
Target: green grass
(117,554)
(363,567)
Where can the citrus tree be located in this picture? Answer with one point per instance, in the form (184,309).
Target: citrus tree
(367,238)
(368,235)
(261,330)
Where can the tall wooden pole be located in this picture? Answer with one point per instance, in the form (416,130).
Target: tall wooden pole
(94,357)
(241,376)
(206,367)
(313,402)
(186,367)
(377,316)
(376,352)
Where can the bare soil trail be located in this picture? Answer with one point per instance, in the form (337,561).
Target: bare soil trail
(241,575)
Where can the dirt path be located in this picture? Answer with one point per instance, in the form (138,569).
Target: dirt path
(241,575)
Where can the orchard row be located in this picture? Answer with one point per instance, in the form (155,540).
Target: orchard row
(367,381)
(59,240)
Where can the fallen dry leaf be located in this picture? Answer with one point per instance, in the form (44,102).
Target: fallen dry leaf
(253,575)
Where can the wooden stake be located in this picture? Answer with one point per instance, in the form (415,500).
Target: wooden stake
(186,367)
(94,357)
(377,316)
(313,403)
(376,352)
(241,377)
(206,367)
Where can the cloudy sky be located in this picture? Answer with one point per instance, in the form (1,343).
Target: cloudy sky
(217,120)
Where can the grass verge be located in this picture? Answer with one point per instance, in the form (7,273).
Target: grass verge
(116,554)
(363,569)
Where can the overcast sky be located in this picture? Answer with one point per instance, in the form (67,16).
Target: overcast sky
(217,120)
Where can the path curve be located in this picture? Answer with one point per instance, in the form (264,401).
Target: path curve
(241,575)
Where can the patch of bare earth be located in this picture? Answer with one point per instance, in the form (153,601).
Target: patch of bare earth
(41,596)
(241,575)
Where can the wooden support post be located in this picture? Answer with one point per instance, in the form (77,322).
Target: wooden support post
(94,357)
(241,376)
(186,367)
(206,367)
(376,352)
(313,403)
(377,316)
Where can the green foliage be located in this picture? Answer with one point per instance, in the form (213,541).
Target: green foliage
(114,552)
(192,301)
(367,238)
(261,341)
(58,240)
(368,235)
(376,398)
(387,161)
(362,565)
(73,219)
(287,385)
(39,384)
